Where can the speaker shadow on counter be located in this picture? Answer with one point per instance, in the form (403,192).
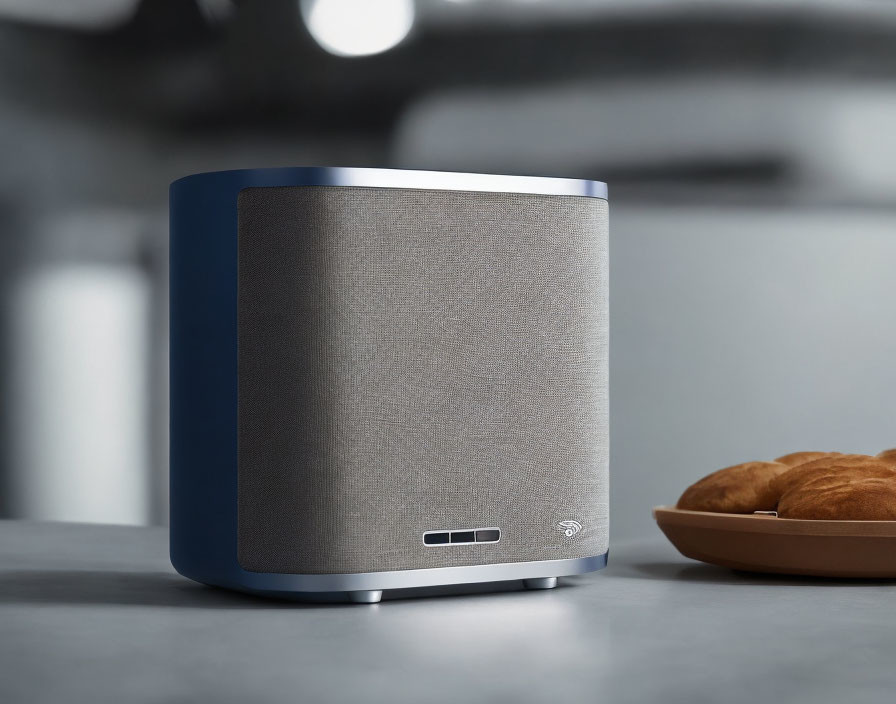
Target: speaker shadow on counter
(122,588)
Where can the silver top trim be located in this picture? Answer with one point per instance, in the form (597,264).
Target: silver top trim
(451,181)
(410,178)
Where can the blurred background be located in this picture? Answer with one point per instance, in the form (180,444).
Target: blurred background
(749,146)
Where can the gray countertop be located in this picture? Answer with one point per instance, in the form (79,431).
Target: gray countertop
(96,614)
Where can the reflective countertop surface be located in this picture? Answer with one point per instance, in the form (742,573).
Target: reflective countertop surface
(96,613)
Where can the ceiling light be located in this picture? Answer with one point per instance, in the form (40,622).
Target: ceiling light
(358,27)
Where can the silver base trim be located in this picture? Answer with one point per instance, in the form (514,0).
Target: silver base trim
(404,579)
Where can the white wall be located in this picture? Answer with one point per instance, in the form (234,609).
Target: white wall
(740,335)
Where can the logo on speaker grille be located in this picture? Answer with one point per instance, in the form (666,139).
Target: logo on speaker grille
(569,528)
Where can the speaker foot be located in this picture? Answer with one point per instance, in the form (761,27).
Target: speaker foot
(540,583)
(371,596)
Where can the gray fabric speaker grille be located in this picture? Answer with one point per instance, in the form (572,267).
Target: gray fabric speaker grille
(414,360)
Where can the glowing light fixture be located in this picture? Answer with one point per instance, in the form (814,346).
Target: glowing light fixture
(358,27)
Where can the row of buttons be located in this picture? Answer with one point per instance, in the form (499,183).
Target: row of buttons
(461,537)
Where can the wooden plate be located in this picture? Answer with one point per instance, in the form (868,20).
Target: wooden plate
(863,549)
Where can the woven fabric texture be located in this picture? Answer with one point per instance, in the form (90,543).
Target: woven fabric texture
(415,360)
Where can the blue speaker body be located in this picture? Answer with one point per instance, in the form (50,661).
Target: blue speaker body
(204,393)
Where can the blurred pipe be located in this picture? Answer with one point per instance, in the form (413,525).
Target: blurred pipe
(821,139)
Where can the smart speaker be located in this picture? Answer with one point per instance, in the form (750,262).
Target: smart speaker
(383,379)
